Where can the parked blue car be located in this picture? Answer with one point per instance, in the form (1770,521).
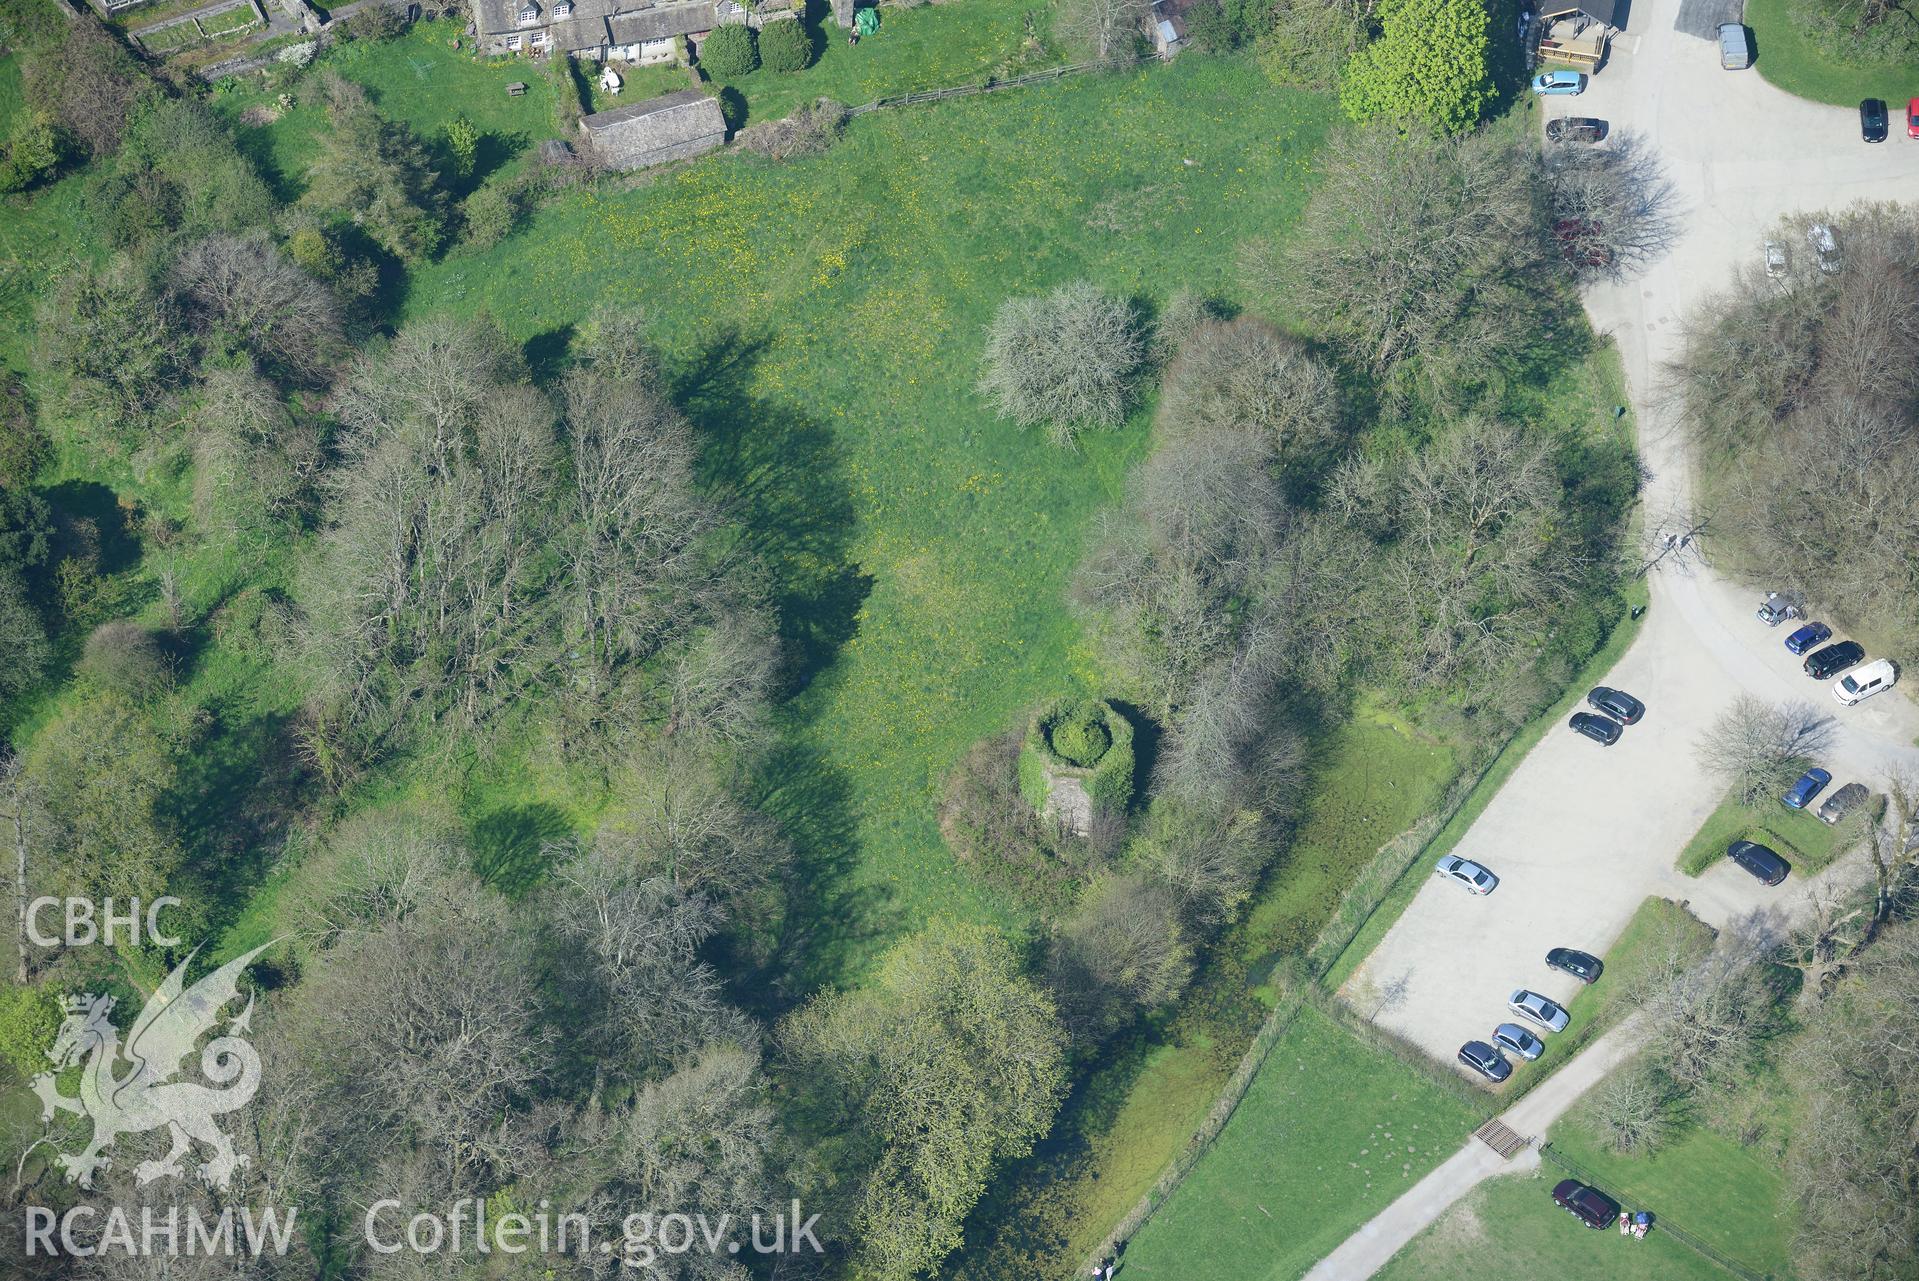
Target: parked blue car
(1559,82)
(1808,636)
(1806,788)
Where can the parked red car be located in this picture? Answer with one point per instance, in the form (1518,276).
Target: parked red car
(1589,1205)
(1912,118)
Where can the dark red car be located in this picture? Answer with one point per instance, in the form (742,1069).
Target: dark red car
(1912,118)
(1589,1205)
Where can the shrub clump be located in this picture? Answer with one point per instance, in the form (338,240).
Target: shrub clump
(807,132)
(1082,743)
(1065,360)
(785,46)
(730,52)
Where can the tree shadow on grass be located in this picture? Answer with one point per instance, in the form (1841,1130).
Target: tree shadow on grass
(828,918)
(783,475)
(513,845)
(239,791)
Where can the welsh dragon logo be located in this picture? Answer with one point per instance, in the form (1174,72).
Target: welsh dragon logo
(147,1097)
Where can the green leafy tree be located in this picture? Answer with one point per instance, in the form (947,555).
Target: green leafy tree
(784,46)
(1428,65)
(729,52)
(463,143)
(950,1061)
(102,771)
(376,172)
(33,152)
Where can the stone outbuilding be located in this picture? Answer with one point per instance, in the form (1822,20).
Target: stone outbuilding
(673,126)
(619,30)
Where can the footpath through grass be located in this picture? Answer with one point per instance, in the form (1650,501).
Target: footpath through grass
(1806,843)
(1330,1133)
(1509,1227)
(1790,60)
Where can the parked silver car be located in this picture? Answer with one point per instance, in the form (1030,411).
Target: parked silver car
(1511,1036)
(1467,873)
(1539,1009)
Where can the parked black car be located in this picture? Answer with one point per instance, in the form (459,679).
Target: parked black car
(1583,966)
(1589,1205)
(1600,729)
(1758,859)
(1575,129)
(1616,703)
(1872,120)
(1485,1060)
(1824,664)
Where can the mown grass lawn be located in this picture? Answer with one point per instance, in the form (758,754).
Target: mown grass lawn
(1509,1227)
(1806,843)
(1330,1132)
(1787,58)
(1731,1197)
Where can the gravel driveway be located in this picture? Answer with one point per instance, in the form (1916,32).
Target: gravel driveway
(1581,833)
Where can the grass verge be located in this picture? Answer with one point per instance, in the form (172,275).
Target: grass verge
(1731,1197)
(1789,59)
(1658,930)
(1807,843)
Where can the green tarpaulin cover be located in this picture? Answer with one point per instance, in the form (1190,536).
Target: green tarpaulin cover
(866,21)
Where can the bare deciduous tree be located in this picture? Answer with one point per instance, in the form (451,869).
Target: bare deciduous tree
(1632,1110)
(1120,953)
(1064,360)
(1759,747)
(1419,246)
(1244,375)
(1111,28)
(257,297)
(1613,209)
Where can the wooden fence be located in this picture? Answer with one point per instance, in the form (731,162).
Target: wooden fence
(994,86)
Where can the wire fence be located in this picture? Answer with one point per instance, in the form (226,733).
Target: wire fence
(1660,1222)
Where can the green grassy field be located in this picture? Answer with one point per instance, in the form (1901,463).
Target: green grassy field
(1806,843)
(1732,1198)
(1788,59)
(1330,1132)
(1510,1227)
(824,320)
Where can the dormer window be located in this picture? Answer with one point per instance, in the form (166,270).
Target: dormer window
(564,9)
(529,13)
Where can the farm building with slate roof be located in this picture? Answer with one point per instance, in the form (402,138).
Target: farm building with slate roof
(670,127)
(628,30)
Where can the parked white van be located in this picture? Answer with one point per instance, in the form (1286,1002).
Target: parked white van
(1864,682)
